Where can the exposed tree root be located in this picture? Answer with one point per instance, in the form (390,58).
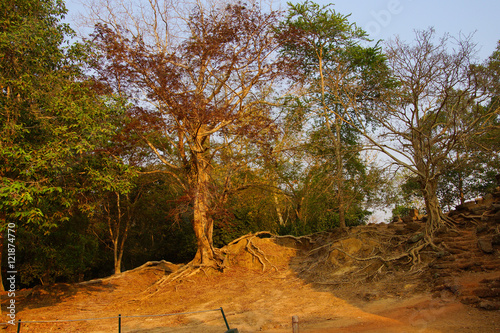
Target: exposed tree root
(257,234)
(150,265)
(372,257)
(254,250)
(298,239)
(316,250)
(260,255)
(448,221)
(414,252)
(387,241)
(183,273)
(191,269)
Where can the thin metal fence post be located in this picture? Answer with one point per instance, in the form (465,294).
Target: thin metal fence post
(225,320)
(19,323)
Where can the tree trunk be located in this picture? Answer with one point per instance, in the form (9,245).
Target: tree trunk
(121,248)
(461,189)
(202,222)
(434,220)
(118,262)
(278,210)
(2,288)
(117,237)
(340,171)
(118,268)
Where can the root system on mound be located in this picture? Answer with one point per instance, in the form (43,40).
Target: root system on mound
(404,252)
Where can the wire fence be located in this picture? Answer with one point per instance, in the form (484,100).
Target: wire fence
(120,317)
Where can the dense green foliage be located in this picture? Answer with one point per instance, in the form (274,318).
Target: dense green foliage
(340,77)
(88,195)
(49,120)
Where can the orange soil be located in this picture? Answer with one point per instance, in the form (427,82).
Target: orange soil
(253,300)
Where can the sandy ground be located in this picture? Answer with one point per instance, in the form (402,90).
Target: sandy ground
(252,300)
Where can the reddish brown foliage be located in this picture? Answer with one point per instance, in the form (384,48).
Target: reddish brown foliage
(199,97)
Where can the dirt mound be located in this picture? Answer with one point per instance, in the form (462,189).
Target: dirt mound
(258,251)
(380,260)
(362,279)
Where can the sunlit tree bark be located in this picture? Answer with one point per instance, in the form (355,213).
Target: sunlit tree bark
(436,107)
(195,99)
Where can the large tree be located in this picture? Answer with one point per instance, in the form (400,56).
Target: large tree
(437,107)
(470,169)
(339,76)
(50,118)
(194,99)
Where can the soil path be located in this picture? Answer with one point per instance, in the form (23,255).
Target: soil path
(253,300)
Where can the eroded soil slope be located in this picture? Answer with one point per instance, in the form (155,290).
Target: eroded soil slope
(365,279)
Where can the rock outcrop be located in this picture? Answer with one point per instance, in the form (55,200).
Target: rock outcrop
(474,247)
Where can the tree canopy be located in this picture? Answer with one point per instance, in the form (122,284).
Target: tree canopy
(165,136)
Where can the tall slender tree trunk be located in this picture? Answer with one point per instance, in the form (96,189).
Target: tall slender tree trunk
(340,171)
(2,288)
(460,183)
(116,252)
(278,210)
(277,204)
(117,257)
(119,252)
(118,233)
(121,232)
(337,139)
(461,189)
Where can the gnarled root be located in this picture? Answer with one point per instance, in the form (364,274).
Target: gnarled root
(183,273)
(254,250)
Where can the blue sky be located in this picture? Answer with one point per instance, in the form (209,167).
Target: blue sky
(383,19)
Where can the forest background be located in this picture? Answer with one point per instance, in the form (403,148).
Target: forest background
(169,131)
